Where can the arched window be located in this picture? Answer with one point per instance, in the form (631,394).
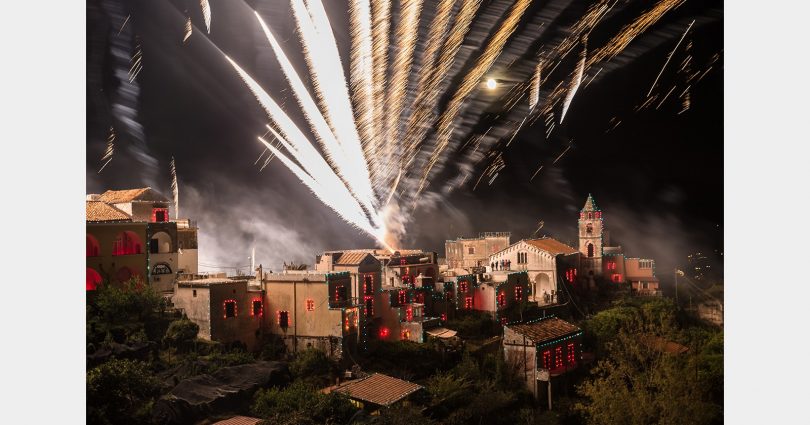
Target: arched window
(92,246)
(589,228)
(161,243)
(127,243)
(93,280)
(590,250)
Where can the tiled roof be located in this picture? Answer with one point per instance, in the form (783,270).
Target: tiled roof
(101,211)
(545,330)
(129,195)
(351,258)
(551,245)
(379,389)
(239,420)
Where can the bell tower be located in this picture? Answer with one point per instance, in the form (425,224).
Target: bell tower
(590,238)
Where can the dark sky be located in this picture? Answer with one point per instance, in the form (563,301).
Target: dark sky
(658,176)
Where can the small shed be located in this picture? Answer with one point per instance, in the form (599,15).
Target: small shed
(377,390)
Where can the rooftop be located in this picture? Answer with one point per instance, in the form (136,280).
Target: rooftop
(379,389)
(546,329)
(98,211)
(239,420)
(551,245)
(351,258)
(209,281)
(146,194)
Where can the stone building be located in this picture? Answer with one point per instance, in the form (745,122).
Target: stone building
(545,260)
(468,253)
(542,350)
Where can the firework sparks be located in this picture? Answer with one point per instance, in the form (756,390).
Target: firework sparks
(534,87)
(362,73)
(108,152)
(175,191)
(575,82)
(206,11)
(187,32)
(669,57)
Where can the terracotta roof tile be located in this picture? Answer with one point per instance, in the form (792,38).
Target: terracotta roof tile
(379,389)
(129,195)
(101,211)
(552,246)
(545,330)
(239,420)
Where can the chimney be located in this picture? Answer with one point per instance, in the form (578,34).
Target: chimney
(259,274)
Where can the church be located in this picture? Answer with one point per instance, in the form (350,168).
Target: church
(549,262)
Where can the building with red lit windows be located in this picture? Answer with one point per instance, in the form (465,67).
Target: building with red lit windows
(129,235)
(542,350)
(470,253)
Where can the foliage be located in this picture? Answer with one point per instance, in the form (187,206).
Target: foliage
(474,325)
(399,414)
(272,347)
(301,403)
(404,359)
(127,312)
(314,366)
(636,384)
(121,392)
(181,334)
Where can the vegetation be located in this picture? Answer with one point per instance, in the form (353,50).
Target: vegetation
(301,403)
(314,367)
(121,392)
(181,334)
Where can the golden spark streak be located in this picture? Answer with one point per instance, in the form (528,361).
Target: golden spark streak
(206,11)
(175,191)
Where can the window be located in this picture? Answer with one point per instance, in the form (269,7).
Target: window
(558,357)
(547,359)
(518,293)
(194,293)
(589,228)
(523,258)
(93,280)
(340,293)
(590,250)
(284,319)
(160,215)
(257,309)
(127,243)
(368,284)
(590,216)
(611,265)
(402,297)
(310,303)
(369,306)
(471,250)
(616,277)
(468,303)
(230,308)
(463,286)
(409,314)
(572,354)
(502,300)
(571,275)
(644,285)
(92,246)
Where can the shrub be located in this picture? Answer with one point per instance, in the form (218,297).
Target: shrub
(181,334)
(314,366)
(121,392)
(301,403)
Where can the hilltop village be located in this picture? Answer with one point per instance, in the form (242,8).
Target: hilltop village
(351,301)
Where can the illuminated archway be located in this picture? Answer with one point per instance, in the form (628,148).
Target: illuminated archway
(93,280)
(92,246)
(161,243)
(127,243)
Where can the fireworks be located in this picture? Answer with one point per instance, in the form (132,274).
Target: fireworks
(175,191)
(108,152)
(187,30)
(386,129)
(206,11)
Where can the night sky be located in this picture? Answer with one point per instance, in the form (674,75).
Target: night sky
(658,175)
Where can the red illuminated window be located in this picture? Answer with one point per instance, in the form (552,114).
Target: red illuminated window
(368,285)
(127,243)
(93,280)
(230,308)
(599,214)
(369,308)
(571,275)
(503,321)
(463,286)
(444,317)
(92,246)
(310,304)
(558,357)
(403,262)
(402,297)
(257,310)
(547,359)
(340,293)
(409,314)
(406,335)
(611,265)
(502,299)
(468,303)
(572,354)
(518,293)
(616,277)
(384,332)
(420,297)
(283,319)
(160,215)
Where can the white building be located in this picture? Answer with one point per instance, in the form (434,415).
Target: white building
(545,260)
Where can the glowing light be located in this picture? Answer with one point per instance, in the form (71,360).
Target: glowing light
(492,84)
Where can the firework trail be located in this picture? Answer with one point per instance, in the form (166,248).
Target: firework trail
(406,34)
(381,14)
(137,66)
(206,11)
(175,191)
(471,80)
(669,57)
(534,87)
(187,31)
(108,153)
(362,74)
(576,81)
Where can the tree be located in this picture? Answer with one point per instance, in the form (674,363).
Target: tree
(301,403)
(181,334)
(314,366)
(121,392)
(637,384)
